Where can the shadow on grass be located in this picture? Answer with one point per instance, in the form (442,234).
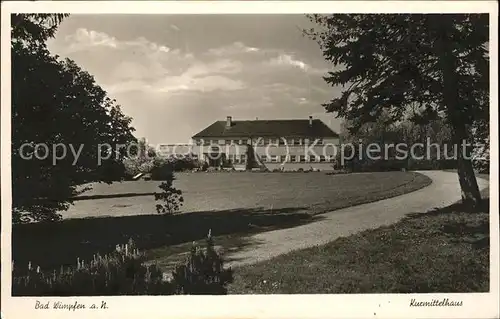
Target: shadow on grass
(51,245)
(167,257)
(484,207)
(442,251)
(468,225)
(90,197)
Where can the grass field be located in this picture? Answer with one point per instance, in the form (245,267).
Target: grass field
(231,204)
(313,191)
(445,250)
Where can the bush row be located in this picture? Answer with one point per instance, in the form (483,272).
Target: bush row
(397,165)
(159,168)
(125,272)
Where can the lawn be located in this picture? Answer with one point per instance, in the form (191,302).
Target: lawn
(445,250)
(231,204)
(315,192)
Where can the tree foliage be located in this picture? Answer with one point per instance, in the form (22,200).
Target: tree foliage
(140,158)
(55,102)
(394,63)
(430,143)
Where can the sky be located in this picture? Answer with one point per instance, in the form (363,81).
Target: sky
(177,74)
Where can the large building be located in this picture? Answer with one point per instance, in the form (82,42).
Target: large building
(272,144)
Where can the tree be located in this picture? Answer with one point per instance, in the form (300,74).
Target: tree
(59,107)
(140,158)
(391,62)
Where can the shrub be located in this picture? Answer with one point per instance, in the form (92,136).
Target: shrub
(338,172)
(159,167)
(184,163)
(161,170)
(170,196)
(119,273)
(124,272)
(431,164)
(203,166)
(380,165)
(202,273)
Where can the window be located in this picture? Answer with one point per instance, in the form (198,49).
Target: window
(214,148)
(293,158)
(297,141)
(290,141)
(283,159)
(281,141)
(302,158)
(321,158)
(243,158)
(263,158)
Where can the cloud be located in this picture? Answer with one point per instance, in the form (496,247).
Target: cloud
(288,60)
(224,66)
(232,49)
(200,76)
(185,82)
(84,39)
(303,100)
(249,75)
(147,66)
(207,83)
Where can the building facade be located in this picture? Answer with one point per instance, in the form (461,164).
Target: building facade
(265,144)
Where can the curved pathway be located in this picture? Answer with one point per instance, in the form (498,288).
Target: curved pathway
(443,191)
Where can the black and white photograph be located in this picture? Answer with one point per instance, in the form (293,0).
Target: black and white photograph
(329,151)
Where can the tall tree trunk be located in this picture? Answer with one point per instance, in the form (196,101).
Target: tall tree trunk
(466,176)
(471,195)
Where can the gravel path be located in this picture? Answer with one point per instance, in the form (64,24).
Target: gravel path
(443,191)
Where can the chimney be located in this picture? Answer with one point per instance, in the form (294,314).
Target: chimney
(229,122)
(310,120)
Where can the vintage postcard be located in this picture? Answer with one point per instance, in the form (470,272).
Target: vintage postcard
(249,159)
